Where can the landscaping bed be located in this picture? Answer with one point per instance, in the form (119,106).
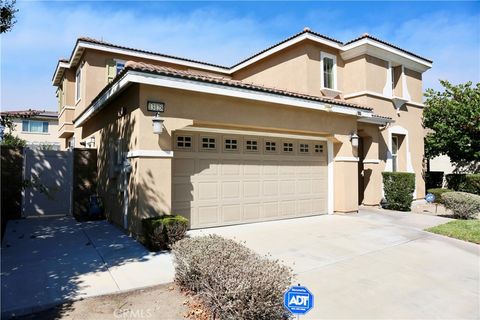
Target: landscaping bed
(467,230)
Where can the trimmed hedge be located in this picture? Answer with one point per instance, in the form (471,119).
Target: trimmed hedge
(437,192)
(464,205)
(434,179)
(471,184)
(454,180)
(232,281)
(163,231)
(398,188)
(464,182)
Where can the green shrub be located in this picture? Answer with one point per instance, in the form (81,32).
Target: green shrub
(454,180)
(471,184)
(433,179)
(233,281)
(163,231)
(464,205)
(437,192)
(398,188)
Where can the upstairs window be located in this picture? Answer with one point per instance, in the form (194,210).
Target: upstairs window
(78,80)
(329,64)
(34,126)
(114,67)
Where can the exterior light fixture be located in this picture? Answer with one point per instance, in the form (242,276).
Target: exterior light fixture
(354,140)
(91,143)
(157,123)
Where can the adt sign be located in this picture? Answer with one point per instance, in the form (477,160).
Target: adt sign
(430,197)
(298,300)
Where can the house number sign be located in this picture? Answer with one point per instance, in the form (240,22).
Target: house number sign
(155,106)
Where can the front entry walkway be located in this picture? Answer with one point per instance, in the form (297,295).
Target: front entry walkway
(47,261)
(372,265)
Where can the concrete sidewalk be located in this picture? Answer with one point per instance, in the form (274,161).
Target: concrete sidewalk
(47,261)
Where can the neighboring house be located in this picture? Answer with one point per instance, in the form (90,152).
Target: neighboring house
(40,130)
(301,128)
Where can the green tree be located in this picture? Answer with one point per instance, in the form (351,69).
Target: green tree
(7,15)
(453,117)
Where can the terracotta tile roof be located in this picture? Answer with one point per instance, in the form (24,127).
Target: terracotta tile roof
(95,41)
(150,68)
(31,113)
(366,35)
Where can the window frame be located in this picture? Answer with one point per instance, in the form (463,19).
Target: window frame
(275,145)
(117,63)
(292,151)
(324,55)
(394,154)
(29,129)
(224,144)
(78,84)
(318,148)
(256,145)
(192,142)
(305,147)
(208,149)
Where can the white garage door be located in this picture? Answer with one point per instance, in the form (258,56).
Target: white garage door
(231,179)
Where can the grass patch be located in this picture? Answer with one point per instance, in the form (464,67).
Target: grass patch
(468,230)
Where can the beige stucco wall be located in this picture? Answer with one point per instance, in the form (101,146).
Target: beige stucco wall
(296,68)
(414,85)
(355,79)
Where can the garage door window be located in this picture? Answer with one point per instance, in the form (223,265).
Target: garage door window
(270,146)
(184,142)
(231,144)
(287,147)
(318,148)
(251,145)
(303,148)
(208,143)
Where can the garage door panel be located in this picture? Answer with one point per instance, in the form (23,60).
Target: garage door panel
(231,190)
(270,188)
(207,215)
(251,212)
(225,187)
(207,190)
(270,209)
(232,214)
(251,189)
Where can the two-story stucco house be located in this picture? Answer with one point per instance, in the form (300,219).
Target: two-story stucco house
(39,130)
(304,127)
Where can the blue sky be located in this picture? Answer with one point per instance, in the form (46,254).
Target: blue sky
(227,32)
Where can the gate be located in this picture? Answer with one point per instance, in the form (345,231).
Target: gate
(49,177)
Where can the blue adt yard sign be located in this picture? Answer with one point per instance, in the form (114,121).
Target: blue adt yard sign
(298,300)
(430,197)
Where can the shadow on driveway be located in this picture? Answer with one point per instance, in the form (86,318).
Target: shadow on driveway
(48,261)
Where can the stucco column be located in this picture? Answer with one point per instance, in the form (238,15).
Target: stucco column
(345,175)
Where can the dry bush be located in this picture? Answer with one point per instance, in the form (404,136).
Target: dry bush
(232,280)
(464,205)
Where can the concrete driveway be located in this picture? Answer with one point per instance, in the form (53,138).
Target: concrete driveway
(372,265)
(47,261)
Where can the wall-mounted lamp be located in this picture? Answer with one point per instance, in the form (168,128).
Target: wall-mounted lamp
(354,140)
(91,143)
(157,123)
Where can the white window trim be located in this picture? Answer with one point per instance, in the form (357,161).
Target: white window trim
(334,58)
(78,86)
(200,144)
(192,142)
(119,61)
(270,151)
(258,145)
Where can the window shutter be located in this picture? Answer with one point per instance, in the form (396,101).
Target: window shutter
(111,70)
